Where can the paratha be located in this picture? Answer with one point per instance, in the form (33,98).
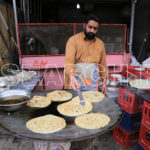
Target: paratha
(59,95)
(46,124)
(74,108)
(93,96)
(92,121)
(140,83)
(39,101)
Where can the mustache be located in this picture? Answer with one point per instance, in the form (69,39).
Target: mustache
(90,33)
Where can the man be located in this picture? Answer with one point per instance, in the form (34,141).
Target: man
(85,47)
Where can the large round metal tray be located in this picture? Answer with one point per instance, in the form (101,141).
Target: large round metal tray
(15,123)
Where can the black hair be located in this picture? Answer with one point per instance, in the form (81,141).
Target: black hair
(92,17)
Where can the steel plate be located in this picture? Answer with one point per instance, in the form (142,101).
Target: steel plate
(15,123)
(138,90)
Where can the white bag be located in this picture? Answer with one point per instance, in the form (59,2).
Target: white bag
(134,62)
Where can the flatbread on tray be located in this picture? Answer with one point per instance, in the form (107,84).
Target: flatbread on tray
(74,108)
(59,95)
(92,121)
(93,96)
(140,83)
(39,102)
(46,124)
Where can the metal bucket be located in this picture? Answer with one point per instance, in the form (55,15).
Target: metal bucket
(12,100)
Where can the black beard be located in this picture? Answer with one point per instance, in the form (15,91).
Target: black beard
(89,35)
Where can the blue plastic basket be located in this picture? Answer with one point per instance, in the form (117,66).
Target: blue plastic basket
(131,122)
(140,147)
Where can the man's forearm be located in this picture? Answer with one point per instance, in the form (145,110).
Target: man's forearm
(104,81)
(71,75)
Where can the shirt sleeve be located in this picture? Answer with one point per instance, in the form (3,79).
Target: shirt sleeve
(103,65)
(70,56)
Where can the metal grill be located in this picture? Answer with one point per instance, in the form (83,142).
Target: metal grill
(44,39)
(15,122)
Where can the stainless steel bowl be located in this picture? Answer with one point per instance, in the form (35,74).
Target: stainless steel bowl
(12,100)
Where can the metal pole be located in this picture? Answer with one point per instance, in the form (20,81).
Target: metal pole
(132,25)
(26,11)
(16,19)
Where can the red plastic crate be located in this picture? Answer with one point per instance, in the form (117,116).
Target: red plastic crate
(146,115)
(129,102)
(124,138)
(144,138)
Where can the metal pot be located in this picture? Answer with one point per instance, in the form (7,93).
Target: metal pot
(12,100)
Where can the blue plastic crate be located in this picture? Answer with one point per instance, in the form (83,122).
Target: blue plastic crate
(131,122)
(140,147)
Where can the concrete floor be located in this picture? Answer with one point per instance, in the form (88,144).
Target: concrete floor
(103,142)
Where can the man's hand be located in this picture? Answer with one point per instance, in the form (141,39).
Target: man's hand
(73,82)
(104,86)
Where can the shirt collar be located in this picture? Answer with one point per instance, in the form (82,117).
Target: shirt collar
(85,38)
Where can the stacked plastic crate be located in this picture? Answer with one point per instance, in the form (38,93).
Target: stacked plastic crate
(127,132)
(144,139)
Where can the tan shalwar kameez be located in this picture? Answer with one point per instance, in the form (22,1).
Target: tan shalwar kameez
(81,50)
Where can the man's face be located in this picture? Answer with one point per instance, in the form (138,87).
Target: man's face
(90,29)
